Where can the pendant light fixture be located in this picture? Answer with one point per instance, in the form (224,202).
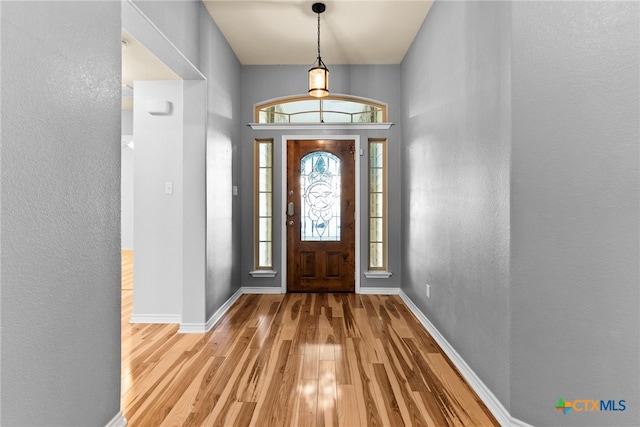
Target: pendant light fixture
(319,74)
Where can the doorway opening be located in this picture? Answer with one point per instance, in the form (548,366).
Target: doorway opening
(320,199)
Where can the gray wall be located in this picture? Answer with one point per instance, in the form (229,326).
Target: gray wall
(60,244)
(455,154)
(261,83)
(520,198)
(223,72)
(574,211)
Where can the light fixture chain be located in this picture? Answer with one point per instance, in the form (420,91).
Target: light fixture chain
(319,39)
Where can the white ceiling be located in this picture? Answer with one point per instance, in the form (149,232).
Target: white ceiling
(273,32)
(270,32)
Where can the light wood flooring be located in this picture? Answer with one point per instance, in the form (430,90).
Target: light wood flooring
(295,360)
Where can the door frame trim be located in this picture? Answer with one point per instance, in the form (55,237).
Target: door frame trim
(283,201)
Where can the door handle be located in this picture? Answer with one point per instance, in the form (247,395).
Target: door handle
(291,209)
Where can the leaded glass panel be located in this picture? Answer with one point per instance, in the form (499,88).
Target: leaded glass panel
(320,184)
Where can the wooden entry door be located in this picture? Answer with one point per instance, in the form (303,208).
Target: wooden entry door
(320,216)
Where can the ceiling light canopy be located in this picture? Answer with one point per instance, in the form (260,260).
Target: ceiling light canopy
(319,73)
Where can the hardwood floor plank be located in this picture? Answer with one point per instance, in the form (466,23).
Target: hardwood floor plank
(307,403)
(311,360)
(372,410)
(401,388)
(327,411)
(326,338)
(465,402)
(434,398)
(278,396)
(347,406)
(245,413)
(209,396)
(368,336)
(357,382)
(388,396)
(184,405)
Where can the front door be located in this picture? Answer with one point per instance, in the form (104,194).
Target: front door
(320,215)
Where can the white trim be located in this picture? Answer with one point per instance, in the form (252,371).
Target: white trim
(488,398)
(199,328)
(126,141)
(155,318)
(260,290)
(283,196)
(142,28)
(118,421)
(377,274)
(379,291)
(263,273)
(318,126)
(192,328)
(518,423)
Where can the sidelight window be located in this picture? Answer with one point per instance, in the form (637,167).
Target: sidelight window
(377,204)
(263,204)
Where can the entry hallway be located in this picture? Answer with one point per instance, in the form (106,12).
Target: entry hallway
(295,360)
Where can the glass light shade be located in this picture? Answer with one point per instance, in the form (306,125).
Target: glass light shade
(318,82)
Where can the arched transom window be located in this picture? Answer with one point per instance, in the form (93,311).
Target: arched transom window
(332,109)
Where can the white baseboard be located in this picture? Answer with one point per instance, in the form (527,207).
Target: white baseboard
(201,328)
(260,290)
(192,328)
(517,423)
(379,291)
(488,398)
(118,421)
(155,318)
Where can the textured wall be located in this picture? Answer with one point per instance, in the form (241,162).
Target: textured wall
(379,82)
(455,203)
(223,72)
(60,244)
(575,210)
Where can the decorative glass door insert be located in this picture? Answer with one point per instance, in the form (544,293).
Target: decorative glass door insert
(320,184)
